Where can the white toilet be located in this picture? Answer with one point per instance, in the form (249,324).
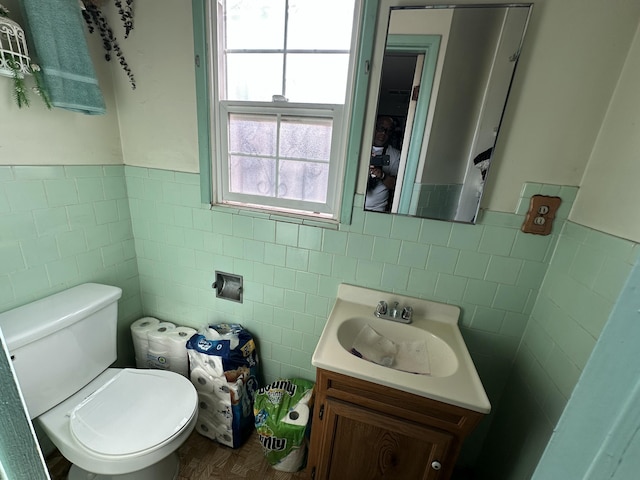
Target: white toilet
(110,423)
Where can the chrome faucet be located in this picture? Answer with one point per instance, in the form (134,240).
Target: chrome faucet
(394,314)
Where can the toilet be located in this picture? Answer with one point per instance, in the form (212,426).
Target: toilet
(110,423)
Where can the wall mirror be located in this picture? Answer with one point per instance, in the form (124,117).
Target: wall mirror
(445,77)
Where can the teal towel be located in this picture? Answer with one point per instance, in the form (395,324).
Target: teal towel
(56,28)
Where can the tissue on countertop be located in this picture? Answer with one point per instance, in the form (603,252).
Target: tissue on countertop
(374,347)
(411,356)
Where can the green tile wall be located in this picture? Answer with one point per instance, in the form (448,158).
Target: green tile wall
(146,231)
(585,276)
(291,271)
(65,225)
(435,201)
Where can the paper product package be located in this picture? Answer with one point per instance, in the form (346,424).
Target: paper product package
(223,364)
(161,345)
(282,412)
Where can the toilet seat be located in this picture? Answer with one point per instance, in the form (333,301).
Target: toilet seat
(155,404)
(83,453)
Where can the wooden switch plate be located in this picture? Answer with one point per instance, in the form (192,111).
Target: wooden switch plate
(542,211)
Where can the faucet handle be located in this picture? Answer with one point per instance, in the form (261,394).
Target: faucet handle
(381,309)
(407,312)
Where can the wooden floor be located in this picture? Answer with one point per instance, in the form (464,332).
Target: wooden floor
(204,459)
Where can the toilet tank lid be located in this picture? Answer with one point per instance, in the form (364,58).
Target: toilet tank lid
(35,320)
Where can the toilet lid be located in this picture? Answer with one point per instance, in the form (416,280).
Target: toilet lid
(135,411)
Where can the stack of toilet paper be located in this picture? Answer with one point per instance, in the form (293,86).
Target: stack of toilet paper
(161,345)
(223,371)
(215,399)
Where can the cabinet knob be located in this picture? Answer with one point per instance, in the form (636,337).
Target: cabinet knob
(436,465)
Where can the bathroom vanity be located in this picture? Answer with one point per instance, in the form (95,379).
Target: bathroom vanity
(375,421)
(361,429)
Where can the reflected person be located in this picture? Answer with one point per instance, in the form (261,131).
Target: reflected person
(383,168)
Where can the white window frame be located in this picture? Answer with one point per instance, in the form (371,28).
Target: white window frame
(331,209)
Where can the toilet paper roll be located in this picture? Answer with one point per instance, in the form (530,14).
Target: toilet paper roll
(207,383)
(175,363)
(175,345)
(157,336)
(292,462)
(216,418)
(139,333)
(298,415)
(212,334)
(184,334)
(210,363)
(211,405)
(215,432)
(231,290)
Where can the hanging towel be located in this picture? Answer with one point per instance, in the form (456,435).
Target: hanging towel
(57,31)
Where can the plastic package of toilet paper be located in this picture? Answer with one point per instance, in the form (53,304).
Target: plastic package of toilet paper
(139,333)
(161,345)
(215,417)
(282,412)
(223,365)
(158,351)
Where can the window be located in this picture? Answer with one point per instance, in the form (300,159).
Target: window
(281,85)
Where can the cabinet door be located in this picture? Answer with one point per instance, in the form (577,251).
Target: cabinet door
(360,444)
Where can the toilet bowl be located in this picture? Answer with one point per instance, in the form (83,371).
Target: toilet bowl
(110,423)
(126,423)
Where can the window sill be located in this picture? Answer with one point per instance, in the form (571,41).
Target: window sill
(296,218)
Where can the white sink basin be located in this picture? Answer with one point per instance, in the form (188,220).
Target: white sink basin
(442,359)
(452,375)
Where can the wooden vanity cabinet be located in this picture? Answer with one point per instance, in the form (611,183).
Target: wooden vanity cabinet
(364,431)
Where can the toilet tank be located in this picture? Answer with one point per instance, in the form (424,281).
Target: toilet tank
(60,343)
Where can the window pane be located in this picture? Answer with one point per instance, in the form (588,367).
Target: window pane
(254,77)
(255,24)
(320,25)
(306,138)
(282,151)
(252,176)
(252,134)
(317,78)
(303,181)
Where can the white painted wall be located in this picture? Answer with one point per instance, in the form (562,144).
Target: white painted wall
(608,196)
(158,120)
(37,136)
(571,61)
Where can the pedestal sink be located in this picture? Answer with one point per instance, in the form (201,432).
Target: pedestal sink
(452,377)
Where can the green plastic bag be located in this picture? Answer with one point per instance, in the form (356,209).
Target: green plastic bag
(282,413)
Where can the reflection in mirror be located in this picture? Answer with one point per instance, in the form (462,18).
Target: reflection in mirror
(445,79)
